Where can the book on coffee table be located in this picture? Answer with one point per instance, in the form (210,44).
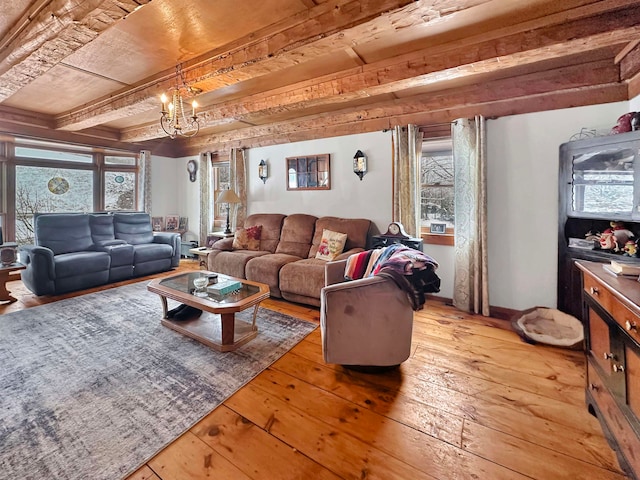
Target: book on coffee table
(224,287)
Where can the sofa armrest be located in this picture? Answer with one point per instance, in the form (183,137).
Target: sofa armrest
(101,245)
(334,272)
(40,273)
(225,244)
(348,253)
(172,239)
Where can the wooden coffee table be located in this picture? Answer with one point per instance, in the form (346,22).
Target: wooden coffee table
(5,276)
(217,327)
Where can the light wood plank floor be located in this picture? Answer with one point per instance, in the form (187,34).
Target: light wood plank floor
(472,402)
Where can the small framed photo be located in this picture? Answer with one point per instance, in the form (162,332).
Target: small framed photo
(157,223)
(172,222)
(183,225)
(438,228)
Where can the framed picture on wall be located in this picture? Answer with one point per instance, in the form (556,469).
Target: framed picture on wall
(157,223)
(183,225)
(438,228)
(172,222)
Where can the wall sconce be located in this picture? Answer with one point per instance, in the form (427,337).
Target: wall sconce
(263,171)
(360,164)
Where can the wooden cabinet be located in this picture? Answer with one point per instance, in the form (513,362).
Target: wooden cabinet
(599,182)
(612,319)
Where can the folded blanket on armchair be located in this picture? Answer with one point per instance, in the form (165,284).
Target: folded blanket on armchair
(412,270)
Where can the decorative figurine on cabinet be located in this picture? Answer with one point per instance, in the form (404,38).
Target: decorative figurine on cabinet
(621,233)
(630,248)
(608,240)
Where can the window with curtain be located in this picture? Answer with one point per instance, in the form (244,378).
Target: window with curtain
(220,180)
(437,192)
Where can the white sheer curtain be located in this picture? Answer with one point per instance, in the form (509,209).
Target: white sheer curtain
(144,185)
(238,178)
(206,197)
(471,282)
(407,148)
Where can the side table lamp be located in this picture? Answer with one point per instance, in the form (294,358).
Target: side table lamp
(228,197)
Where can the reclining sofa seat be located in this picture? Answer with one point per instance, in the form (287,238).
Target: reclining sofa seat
(233,262)
(63,258)
(151,252)
(294,245)
(302,281)
(74,251)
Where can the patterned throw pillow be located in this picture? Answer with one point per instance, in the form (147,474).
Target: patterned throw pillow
(331,245)
(247,238)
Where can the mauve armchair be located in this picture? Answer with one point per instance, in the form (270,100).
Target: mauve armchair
(366,322)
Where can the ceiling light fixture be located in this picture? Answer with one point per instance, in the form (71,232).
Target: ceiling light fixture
(174,121)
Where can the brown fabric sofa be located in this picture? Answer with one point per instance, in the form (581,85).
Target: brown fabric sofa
(286,257)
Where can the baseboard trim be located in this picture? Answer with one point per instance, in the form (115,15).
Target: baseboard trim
(500,313)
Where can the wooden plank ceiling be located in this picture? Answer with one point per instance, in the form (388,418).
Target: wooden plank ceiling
(274,71)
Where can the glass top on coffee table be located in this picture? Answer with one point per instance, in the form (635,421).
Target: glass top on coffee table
(184,283)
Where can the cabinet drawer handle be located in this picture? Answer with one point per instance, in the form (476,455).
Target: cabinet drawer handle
(594,387)
(630,326)
(607,356)
(618,368)
(594,290)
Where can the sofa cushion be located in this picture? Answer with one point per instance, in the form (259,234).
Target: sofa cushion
(101,228)
(134,228)
(63,233)
(81,263)
(266,269)
(271,226)
(148,252)
(297,234)
(304,278)
(247,238)
(233,263)
(331,245)
(356,229)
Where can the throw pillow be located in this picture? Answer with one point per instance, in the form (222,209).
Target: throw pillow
(248,238)
(331,245)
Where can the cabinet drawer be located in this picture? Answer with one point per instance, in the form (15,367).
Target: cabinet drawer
(627,319)
(598,292)
(616,422)
(599,342)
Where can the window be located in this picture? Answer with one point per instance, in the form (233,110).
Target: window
(220,180)
(50,177)
(437,192)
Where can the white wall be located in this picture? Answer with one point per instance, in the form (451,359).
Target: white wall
(523,163)
(173,194)
(522,194)
(348,197)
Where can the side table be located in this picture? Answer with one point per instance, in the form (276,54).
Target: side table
(202,255)
(5,271)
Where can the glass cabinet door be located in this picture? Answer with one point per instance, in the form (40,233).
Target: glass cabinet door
(604,182)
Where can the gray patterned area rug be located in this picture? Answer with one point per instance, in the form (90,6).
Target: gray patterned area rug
(93,386)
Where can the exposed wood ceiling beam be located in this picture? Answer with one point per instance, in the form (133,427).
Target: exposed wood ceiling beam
(630,64)
(440,107)
(423,68)
(328,27)
(318,33)
(56,31)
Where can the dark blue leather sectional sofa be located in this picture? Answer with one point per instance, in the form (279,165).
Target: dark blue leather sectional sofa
(74,251)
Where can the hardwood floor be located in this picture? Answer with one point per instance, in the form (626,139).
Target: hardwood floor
(472,402)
